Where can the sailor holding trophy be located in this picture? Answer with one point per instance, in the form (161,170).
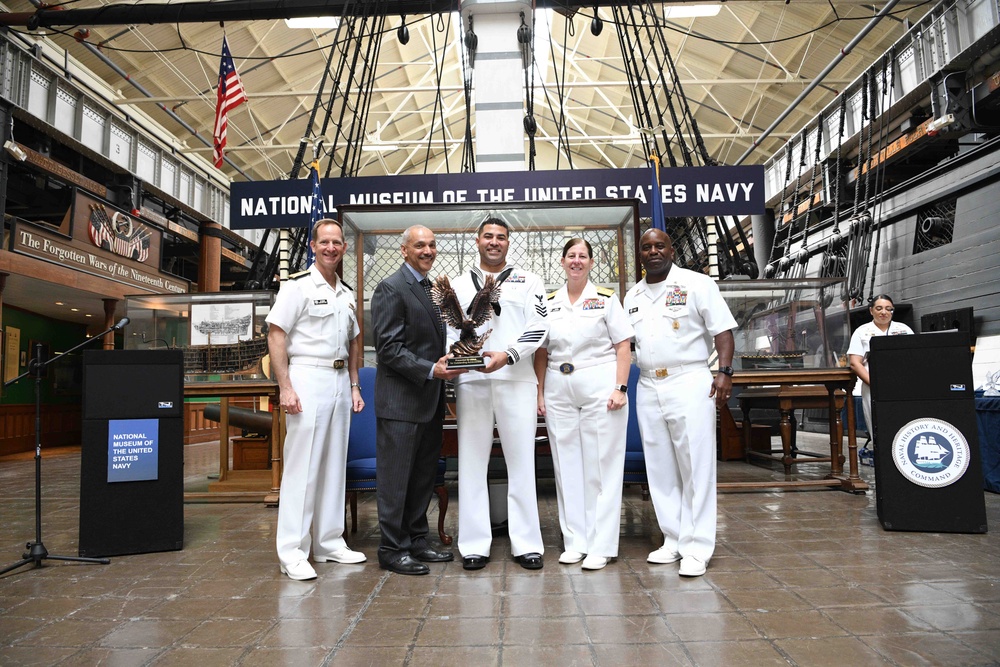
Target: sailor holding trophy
(504,391)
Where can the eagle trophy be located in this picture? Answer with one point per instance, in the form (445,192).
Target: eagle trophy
(480,311)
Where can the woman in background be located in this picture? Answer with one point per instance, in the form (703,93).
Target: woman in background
(857,353)
(582,369)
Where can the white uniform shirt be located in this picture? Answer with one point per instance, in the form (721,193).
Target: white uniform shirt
(518,330)
(585,332)
(676,321)
(320,320)
(861,342)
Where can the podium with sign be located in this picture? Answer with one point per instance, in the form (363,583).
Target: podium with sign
(927,462)
(132,458)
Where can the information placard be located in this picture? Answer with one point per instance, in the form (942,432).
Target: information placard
(133,449)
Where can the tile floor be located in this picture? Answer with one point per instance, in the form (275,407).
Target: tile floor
(799,578)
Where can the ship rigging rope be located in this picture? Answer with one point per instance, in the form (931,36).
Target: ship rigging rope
(468,154)
(438,102)
(888,71)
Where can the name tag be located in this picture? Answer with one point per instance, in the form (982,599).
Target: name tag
(319,302)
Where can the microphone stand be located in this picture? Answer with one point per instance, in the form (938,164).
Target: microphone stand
(36,551)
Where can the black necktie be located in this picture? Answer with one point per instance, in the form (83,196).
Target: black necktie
(426,283)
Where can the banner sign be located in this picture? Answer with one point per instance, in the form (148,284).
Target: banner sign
(133,449)
(40,243)
(684,191)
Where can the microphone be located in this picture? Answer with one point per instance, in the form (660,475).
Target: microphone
(121,324)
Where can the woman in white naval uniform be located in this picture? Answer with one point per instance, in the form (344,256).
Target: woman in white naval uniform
(582,370)
(857,353)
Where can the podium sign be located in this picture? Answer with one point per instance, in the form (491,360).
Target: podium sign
(927,462)
(132,457)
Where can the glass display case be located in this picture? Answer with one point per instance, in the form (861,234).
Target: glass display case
(223,334)
(788,324)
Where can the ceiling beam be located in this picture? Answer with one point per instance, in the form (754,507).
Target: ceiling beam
(257,10)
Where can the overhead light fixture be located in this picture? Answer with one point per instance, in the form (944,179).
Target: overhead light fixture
(313,22)
(690,11)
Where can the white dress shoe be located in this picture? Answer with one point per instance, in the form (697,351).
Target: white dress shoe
(299,571)
(691,567)
(569,557)
(662,556)
(594,562)
(344,555)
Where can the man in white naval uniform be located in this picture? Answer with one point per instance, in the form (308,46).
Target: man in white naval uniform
(504,391)
(315,346)
(677,316)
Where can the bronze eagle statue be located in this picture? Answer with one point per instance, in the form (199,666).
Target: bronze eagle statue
(480,311)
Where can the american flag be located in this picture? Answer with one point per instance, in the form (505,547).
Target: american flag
(656,196)
(316,212)
(230,96)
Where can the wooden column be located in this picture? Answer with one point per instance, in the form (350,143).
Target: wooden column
(210,260)
(109,321)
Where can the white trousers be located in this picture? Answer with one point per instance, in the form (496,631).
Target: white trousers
(513,406)
(588,453)
(314,465)
(866,407)
(677,423)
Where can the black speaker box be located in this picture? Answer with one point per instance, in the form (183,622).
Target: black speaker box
(928,475)
(128,517)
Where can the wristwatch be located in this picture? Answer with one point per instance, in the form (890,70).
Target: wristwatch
(726,370)
(623,388)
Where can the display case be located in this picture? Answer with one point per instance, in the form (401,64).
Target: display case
(223,334)
(788,324)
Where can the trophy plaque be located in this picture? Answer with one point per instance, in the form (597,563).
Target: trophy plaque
(466,349)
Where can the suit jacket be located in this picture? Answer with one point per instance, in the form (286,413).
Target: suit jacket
(408,340)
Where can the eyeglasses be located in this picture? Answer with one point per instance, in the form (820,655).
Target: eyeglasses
(880,309)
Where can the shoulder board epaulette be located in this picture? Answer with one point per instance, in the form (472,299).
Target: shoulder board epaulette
(300,274)
(344,283)
(605,291)
(552,295)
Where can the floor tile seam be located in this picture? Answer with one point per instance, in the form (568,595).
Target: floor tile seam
(422,620)
(660,613)
(358,615)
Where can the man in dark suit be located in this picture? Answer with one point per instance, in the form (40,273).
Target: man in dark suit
(409,405)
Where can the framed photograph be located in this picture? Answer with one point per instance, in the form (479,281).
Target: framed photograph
(221,323)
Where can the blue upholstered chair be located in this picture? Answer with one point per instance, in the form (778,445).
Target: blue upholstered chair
(361,457)
(635,460)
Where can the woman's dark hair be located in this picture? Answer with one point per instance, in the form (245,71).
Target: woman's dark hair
(880,297)
(574,241)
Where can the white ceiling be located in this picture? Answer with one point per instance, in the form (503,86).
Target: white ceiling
(736,87)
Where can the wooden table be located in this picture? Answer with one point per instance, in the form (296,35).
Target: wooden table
(241,485)
(788,390)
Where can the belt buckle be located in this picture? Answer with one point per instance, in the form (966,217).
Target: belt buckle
(566,368)
(338,364)
(661,372)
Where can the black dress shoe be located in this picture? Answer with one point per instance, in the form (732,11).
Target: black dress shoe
(404,565)
(475,562)
(431,555)
(530,561)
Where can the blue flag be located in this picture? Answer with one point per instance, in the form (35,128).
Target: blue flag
(656,198)
(316,212)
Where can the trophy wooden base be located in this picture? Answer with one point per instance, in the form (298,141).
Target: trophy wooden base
(467,361)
